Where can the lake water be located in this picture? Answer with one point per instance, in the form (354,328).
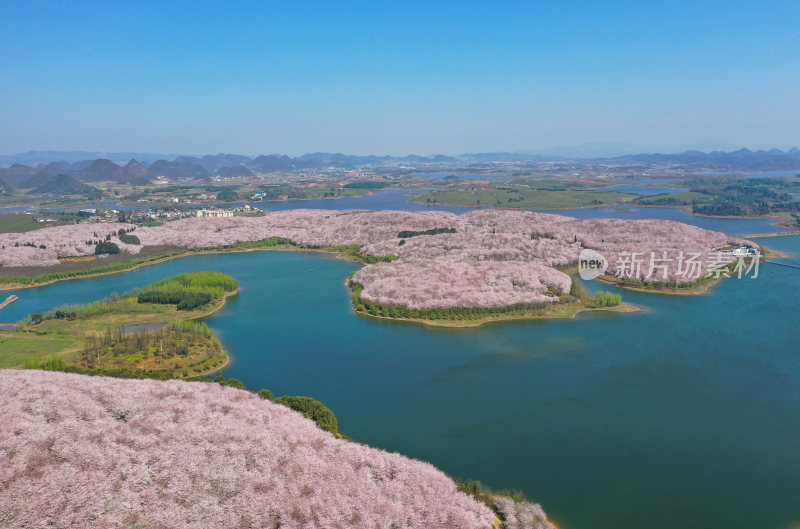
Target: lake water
(685,415)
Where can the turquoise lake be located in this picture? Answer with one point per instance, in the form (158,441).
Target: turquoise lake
(686,415)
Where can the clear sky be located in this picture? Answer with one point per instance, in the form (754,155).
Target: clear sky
(395,78)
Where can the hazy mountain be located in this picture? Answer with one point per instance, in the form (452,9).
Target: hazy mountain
(102,170)
(135,173)
(55,168)
(486,157)
(236,171)
(741,160)
(178,170)
(45,157)
(35,180)
(218,161)
(16,174)
(272,162)
(212,162)
(193,167)
(64,184)
(80,165)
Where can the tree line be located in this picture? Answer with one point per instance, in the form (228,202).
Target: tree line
(405,234)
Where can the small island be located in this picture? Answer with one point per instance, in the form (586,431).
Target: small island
(568,305)
(153,330)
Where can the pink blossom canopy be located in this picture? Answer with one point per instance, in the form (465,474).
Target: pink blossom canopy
(494,258)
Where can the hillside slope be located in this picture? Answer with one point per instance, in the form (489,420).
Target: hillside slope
(98,452)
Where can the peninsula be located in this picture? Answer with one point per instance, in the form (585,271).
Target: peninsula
(478,264)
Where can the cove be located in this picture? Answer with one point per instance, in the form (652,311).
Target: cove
(686,415)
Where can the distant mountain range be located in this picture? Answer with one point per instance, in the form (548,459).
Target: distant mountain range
(40,182)
(741,160)
(234,165)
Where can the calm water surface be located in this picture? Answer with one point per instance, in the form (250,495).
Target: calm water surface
(686,415)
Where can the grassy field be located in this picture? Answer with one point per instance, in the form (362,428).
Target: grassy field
(18,348)
(23,222)
(91,336)
(522,197)
(682,198)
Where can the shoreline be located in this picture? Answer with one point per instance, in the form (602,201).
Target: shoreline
(202,315)
(337,253)
(572,311)
(210,313)
(551,311)
(629,205)
(158,260)
(690,291)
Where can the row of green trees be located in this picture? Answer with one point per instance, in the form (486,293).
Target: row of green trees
(45,278)
(185,300)
(674,285)
(605,299)
(190,290)
(74,311)
(449,313)
(269,242)
(405,234)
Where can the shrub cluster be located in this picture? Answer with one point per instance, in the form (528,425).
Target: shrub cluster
(441,313)
(405,234)
(106,247)
(189,291)
(185,300)
(605,299)
(129,239)
(311,409)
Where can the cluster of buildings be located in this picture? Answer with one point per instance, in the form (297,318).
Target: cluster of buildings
(215,213)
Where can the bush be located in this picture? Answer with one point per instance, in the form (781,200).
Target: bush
(129,239)
(236,383)
(227,196)
(106,247)
(266,394)
(405,234)
(605,299)
(189,291)
(312,409)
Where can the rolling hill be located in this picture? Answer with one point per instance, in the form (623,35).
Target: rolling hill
(64,184)
(178,170)
(104,452)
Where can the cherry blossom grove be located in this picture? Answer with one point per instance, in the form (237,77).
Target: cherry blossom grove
(97,452)
(494,257)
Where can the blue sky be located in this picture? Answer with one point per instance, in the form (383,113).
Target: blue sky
(394,78)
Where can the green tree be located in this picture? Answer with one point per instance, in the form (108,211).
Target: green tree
(106,247)
(312,409)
